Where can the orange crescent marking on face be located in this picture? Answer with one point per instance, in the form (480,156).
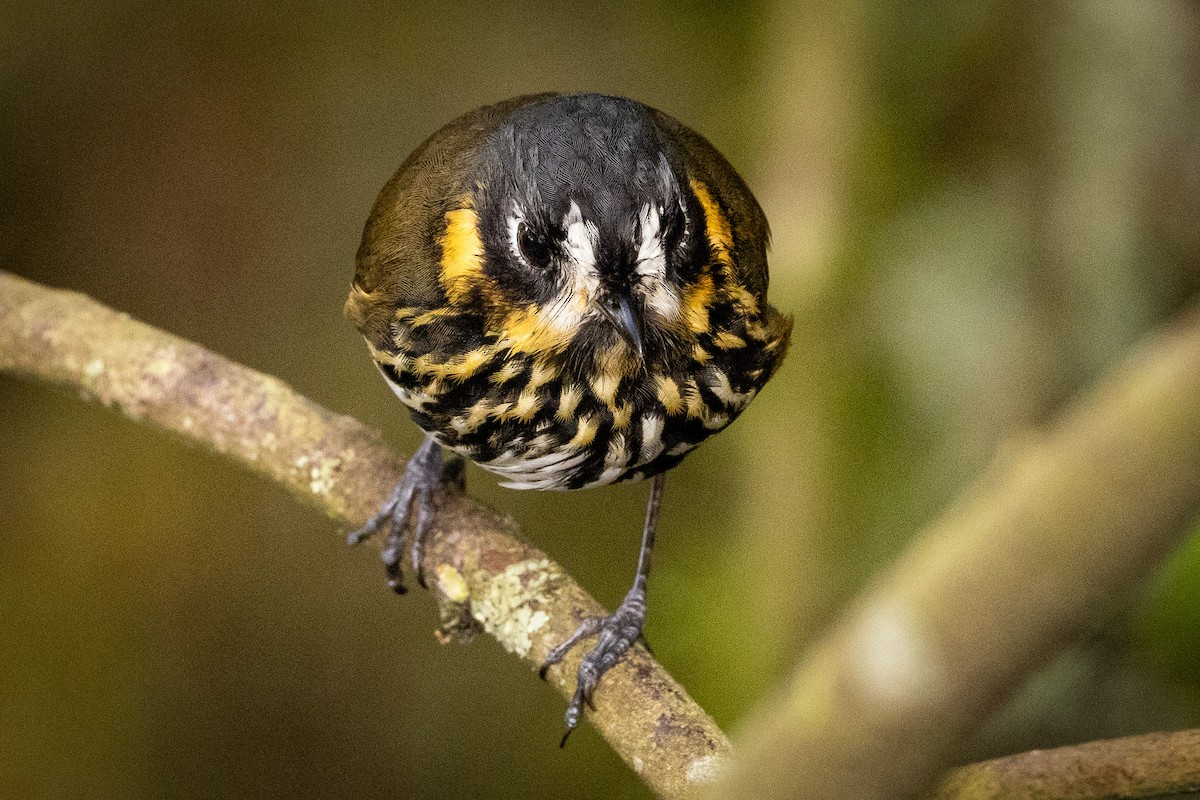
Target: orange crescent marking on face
(462,252)
(530,329)
(720,233)
(720,242)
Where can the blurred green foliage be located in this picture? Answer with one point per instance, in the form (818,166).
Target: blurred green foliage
(977,207)
(1168,623)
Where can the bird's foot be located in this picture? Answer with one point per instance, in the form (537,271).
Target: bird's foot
(428,474)
(618,631)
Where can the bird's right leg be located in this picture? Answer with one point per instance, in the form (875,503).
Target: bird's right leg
(428,474)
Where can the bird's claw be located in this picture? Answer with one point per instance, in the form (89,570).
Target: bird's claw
(617,633)
(426,476)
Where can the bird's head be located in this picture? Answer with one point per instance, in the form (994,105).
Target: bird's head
(577,229)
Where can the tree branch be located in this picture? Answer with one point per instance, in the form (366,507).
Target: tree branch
(1037,549)
(1161,765)
(1050,540)
(515,592)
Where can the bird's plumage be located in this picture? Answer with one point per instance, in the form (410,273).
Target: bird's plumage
(495,260)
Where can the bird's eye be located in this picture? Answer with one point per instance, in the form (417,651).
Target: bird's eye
(535,248)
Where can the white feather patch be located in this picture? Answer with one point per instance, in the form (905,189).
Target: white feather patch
(549,475)
(652,265)
(581,239)
(652,443)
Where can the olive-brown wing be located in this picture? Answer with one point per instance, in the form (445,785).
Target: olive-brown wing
(397,265)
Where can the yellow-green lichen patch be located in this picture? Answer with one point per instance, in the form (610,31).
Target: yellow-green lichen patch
(511,607)
(451,584)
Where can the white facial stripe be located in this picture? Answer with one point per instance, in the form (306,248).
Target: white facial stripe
(652,265)
(582,238)
(581,280)
(650,249)
(514,224)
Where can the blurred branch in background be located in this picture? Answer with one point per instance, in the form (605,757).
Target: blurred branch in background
(977,209)
(810,97)
(514,592)
(1161,765)
(1051,539)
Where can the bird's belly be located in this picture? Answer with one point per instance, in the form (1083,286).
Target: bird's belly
(565,432)
(581,453)
(565,435)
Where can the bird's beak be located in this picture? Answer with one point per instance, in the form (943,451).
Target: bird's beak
(627,317)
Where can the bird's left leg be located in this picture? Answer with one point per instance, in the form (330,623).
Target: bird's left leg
(618,631)
(428,473)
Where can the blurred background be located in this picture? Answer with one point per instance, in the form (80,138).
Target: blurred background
(977,209)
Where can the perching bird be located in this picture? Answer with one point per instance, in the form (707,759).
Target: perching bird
(569,291)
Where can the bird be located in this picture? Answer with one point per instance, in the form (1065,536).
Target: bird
(569,291)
